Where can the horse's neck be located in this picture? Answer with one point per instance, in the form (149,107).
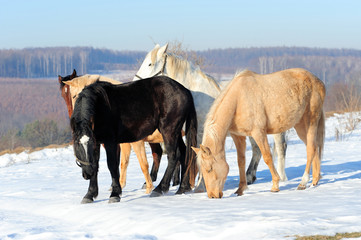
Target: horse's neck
(214,140)
(218,122)
(190,77)
(215,134)
(67,98)
(69,104)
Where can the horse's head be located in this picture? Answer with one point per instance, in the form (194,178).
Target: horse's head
(153,64)
(84,150)
(65,90)
(84,142)
(214,171)
(77,84)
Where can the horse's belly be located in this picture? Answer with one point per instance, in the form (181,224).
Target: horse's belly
(282,123)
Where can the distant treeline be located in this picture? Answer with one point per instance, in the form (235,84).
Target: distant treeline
(331,65)
(50,62)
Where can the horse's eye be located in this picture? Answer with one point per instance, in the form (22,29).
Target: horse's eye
(150,64)
(74,96)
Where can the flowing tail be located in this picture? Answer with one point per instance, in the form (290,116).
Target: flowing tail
(321,134)
(191,138)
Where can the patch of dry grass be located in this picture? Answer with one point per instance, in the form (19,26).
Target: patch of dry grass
(30,150)
(338,236)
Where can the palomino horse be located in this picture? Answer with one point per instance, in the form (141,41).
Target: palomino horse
(71,86)
(204,89)
(111,114)
(256,105)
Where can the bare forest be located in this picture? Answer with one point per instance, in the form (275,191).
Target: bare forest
(32,112)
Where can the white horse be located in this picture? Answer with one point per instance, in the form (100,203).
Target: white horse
(205,89)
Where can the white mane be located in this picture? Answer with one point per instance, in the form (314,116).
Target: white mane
(180,68)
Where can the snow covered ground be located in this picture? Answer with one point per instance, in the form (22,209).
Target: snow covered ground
(40,196)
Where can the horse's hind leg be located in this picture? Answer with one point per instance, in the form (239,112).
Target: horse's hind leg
(281,146)
(185,185)
(173,153)
(124,159)
(316,169)
(176,175)
(256,157)
(157,152)
(308,136)
(139,150)
(113,166)
(240,143)
(262,142)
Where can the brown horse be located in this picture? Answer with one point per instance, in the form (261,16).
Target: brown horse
(256,105)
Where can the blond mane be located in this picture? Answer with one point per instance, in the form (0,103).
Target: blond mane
(210,123)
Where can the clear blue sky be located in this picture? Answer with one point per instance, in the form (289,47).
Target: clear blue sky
(198,24)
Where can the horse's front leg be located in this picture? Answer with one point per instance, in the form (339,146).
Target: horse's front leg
(92,190)
(240,142)
(256,157)
(124,159)
(139,150)
(113,159)
(261,139)
(93,182)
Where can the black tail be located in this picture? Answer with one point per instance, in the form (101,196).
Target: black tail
(191,138)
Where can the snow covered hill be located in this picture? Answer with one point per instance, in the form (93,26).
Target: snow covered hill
(40,196)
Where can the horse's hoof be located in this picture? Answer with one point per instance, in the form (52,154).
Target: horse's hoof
(149,190)
(176,182)
(301,187)
(114,199)
(156,194)
(183,190)
(199,190)
(86,200)
(239,193)
(275,190)
(251,181)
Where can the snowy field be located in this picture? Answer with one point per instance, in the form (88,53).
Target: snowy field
(40,196)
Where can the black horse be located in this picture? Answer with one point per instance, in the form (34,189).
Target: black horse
(157,150)
(113,114)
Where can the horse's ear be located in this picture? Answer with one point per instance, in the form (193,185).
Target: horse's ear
(70,83)
(60,78)
(196,150)
(74,74)
(205,151)
(161,51)
(156,46)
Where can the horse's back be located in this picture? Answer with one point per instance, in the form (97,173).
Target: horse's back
(289,84)
(277,100)
(138,107)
